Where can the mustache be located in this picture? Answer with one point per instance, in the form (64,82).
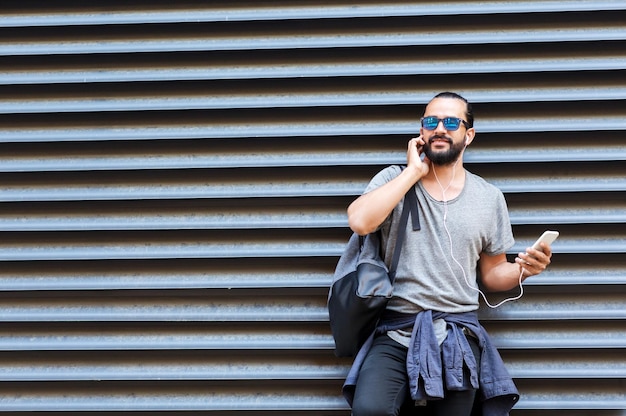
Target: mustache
(439,137)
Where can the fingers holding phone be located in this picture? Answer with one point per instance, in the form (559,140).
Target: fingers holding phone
(537,257)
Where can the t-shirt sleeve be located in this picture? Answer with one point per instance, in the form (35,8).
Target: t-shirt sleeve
(386,175)
(502,234)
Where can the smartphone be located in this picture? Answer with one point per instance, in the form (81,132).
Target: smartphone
(547,237)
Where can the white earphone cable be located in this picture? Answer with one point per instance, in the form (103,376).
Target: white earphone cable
(445,226)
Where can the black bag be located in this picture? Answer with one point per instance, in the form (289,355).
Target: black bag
(362,284)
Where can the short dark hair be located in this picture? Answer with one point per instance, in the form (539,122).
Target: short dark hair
(469,112)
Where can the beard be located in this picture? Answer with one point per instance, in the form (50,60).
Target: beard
(444,157)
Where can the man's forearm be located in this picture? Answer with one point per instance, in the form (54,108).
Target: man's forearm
(369,210)
(505,276)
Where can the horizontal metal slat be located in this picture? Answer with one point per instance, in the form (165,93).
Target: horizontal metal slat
(358,66)
(557,306)
(273,38)
(602,274)
(275,188)
(273,213)
(172,274)
(548,395)
(185,397)
(202,218)
(245,158)
(141,366)
(160,336)
(302,128)
(174,280)
(237,219)
(303,279)
(561,185)
(510,148)
(567,216)
(602,304)
(292,398)
(213,307)
(566,364)
(146,366)
(163,250)
(510,336)
(295,99)
(566,270)
(260,219)
(532,337)
(84,16)
(209,245)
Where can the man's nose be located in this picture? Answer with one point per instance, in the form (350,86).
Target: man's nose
(440,127)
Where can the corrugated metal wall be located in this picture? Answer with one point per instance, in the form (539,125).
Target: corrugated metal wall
(174,178)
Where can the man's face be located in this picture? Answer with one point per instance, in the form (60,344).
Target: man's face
(443,146)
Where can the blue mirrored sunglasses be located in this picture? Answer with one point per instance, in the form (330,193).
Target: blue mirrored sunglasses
(449,123)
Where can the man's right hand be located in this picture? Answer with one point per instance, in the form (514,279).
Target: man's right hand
(413,157)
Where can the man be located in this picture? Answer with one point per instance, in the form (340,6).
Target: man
(465,231)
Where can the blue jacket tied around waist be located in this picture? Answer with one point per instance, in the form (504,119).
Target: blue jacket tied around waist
(427,376)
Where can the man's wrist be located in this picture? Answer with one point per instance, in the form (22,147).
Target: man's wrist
(413,173)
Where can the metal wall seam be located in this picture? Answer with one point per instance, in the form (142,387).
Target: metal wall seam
(288,11)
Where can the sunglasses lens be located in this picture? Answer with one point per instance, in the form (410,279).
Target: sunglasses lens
(451,123)
(430,123)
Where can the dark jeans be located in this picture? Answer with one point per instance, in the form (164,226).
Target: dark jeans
(383,388)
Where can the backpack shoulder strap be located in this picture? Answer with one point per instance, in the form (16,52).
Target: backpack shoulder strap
(409,206)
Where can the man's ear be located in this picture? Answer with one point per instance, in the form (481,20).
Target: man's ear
(469,136)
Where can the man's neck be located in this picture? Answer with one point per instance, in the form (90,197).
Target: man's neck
(445,182)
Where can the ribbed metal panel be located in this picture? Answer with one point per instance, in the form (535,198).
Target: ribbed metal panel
(174,178)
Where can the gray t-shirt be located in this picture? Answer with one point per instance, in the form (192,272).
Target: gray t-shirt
(432,273)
